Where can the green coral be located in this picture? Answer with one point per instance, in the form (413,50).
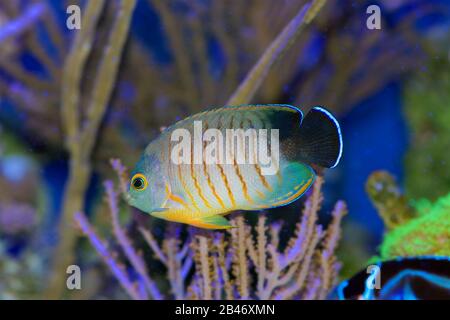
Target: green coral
(428,234)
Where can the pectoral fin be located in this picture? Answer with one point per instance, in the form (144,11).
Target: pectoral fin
(212,222)
(174,201)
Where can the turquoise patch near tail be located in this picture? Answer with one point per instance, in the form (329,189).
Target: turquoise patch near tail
(291,183)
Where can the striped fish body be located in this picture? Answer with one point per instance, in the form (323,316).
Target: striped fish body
(200,191)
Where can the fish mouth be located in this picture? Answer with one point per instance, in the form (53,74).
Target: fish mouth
(133,202)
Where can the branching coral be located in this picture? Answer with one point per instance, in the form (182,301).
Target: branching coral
(247,263)
(81,133)
(24,23)
(277,48)
(34,93)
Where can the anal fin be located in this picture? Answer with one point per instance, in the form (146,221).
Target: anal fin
(212,222)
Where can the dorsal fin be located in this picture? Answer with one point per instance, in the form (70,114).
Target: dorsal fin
(279,116)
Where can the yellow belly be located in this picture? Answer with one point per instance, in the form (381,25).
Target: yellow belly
(189,216)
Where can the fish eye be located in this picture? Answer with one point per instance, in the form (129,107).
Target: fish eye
(139,182)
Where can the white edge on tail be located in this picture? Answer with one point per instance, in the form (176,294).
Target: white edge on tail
(341,145)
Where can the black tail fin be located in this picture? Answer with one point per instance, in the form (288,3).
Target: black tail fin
(320,139)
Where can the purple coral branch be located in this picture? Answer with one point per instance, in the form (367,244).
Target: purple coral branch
(283,41)
(153,244)
(121,171)
(299,245)
(100,247)
(186,267)
(22,23)
(136,260)
(184,250)
(332,240)
(313,287)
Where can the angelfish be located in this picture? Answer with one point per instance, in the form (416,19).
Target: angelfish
(200,193)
